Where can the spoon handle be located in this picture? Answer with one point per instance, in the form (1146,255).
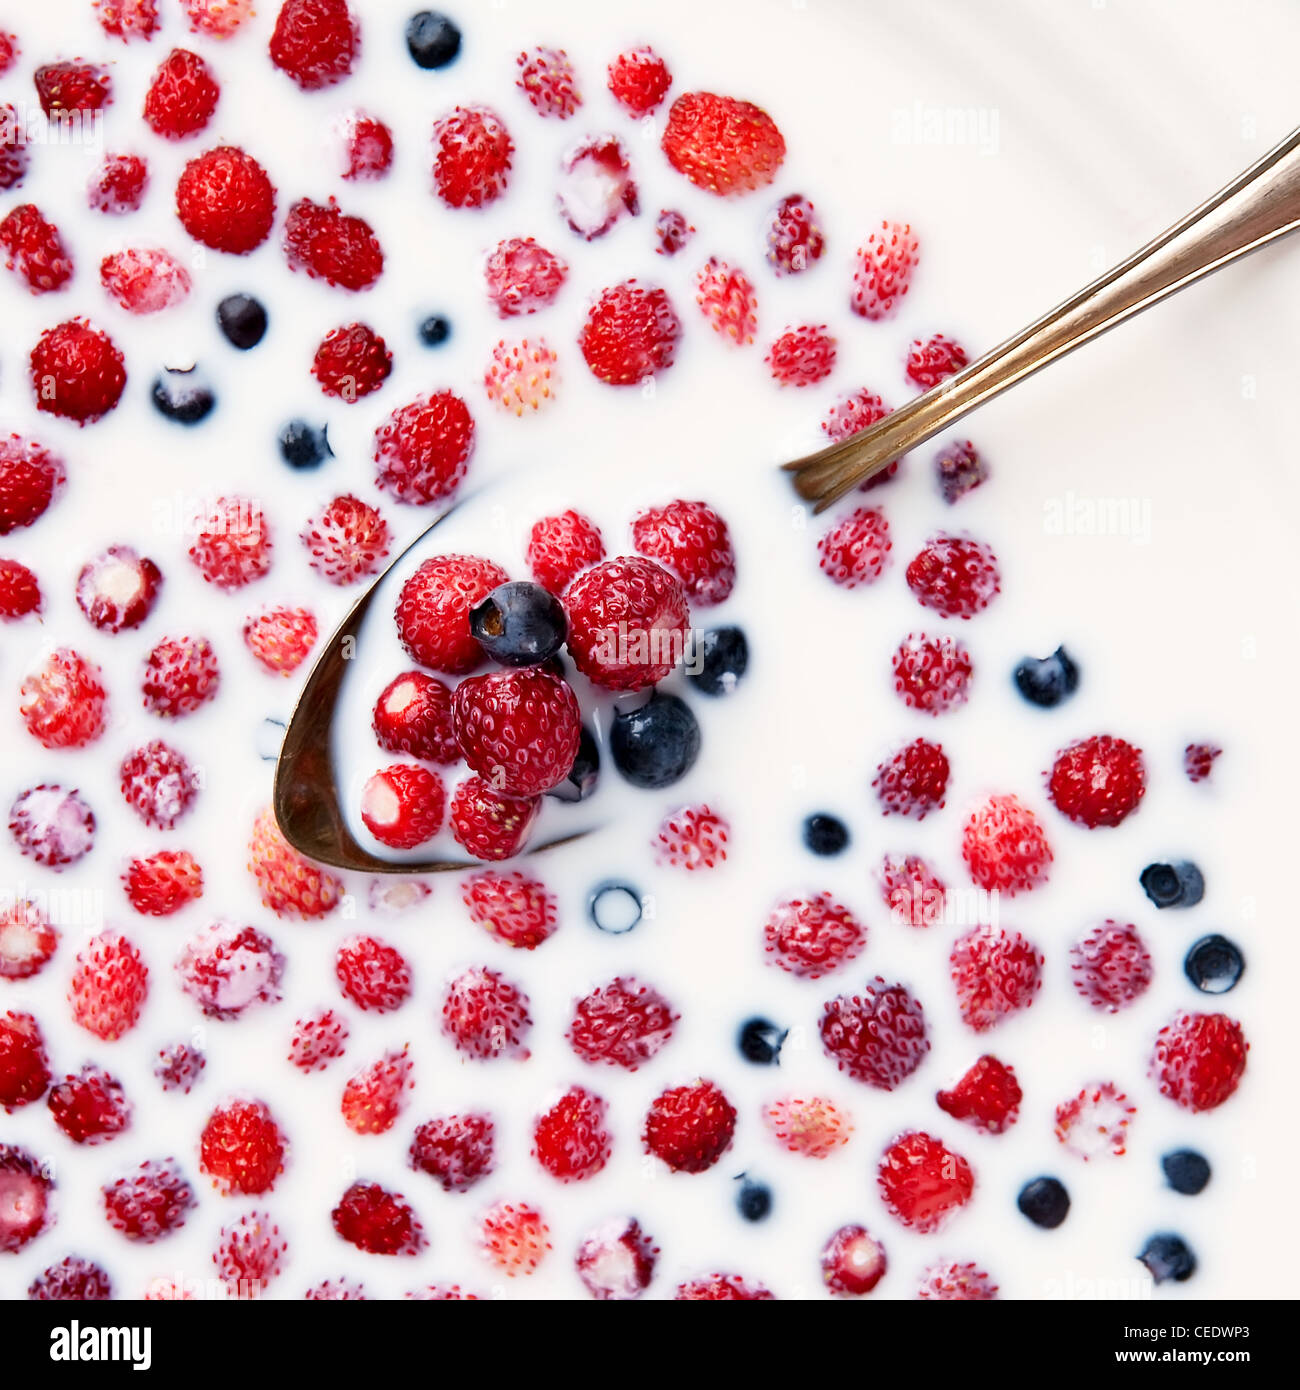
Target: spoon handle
(1259,205)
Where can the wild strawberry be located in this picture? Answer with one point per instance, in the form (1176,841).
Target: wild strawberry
(52,826)
(923,1182)
(471,160)
(877,1036)
(521,375)
(347,541)
(372,974)
(630,334)
(617,1260)
(144,280)
(118,589)
(127,19)
(442,1293)
(117,187)
(932,674)
(291,884)
(1199,1059)
(242,1148)
(853,1262)
(9,51)
(158,783)
(315,42)
(232,545)
(623,1024)
(14,156)
(375,1097)
(1095,1121)
(596,186)
(280,639)
(1111,966)
(434,606)
(721,144)
(727,300)
(987,1096)
(367,147)
(812,1126)
(455,1150)
(317,1041)
(627,623)
(217,18)
(884,270)
(523,277)
(802,356)
(1198,760)
(854,550)
(795,241)
(25,1187)
(413,715)
(343,251)
(377,1221)
(65,87)
(935,360)
(225,200)
(30,478)
(24,1068)
(721,1288)
(811,937)
(73,1279)
(182,96)
(64,704)
(487,823)
(954,575)
(518,729)
(351,362)
(570,1139)
(76,372)
(518,911)
(20,591)
(690,1127)
(227,969)
(152,1203)
(959,469)
(639,80)
(1097,781)
(423,449)
(514,1237)
(340,1291)
(914,781)
(163,882)
(1005,847)
(956,1282)
(547,79)
(672,232)
(35,250)
(27,940)
(179,1067)
(691,541)
(995,972)
(249,1254)
(851,415)
(692,837)
(560,547)
(485,1016)
(109,986)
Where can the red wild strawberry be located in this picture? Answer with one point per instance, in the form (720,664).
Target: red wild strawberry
(315,42)
(152,1204)
(520,375)
(423,449)
(471,160)
(76,372)
(1111,966)
(291,885)
(217,18)
(25,1187)
(52,826)
(721,1288)
(225,200)
(317,1041)
(877,1036)
(853,414)
(35,250)
(280,639)
(232,545)
(367,146)
(547,79)
(617,1260)
(596,186)
(180,676)
(413,715)
(988,1096)
(71,1280)
(242,1148)
(560,547)
(30,478)
(639,80)
(570,1140)
(351,362)
(1198,760)
(372,974)
(14,157)
(855,549)
(442,1293)
(794,240)
(884,270)
(995,972)
(965,1283)
(631,333)
(802,356)
(158,783)
(518,729)
(118,589)
(163,882)
(227,969)
(343,251)
(1199,1059)
(690,1127)
(518,911)
(935,360)
(721,144)
(27,940)
(24,1069)
(249,1255)
(20,591)
(487,823)
(727,300)
(64,704)
(485,1016)
(62,88)
(812,1126)
(514,1238)
(914,781)
(127,19)
(1095,1122)
(144,280)
(1097,781)
(109,986)
(375,1097)
(923,1182)
(811,937)
(117,187)
(954,575)
(1005,848)
(672,232)
(692,837)
(959,470)
(455,1150)
(691,541)
(182,96)
(628,622)
(853,1262)
(433,611)
(523,277)
(342,1291)
(347,541)
(623,1024)
(179,1067)
(932,674)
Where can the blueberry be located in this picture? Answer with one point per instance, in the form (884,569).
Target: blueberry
(1048,680)
(519,624)
(583,775)
(754,1200)
(1173,885)
(242,319)
(181,394)
(1214,964)
(825,835)
(302,445)
(434,331)
(432,39)
(720,658)
(1166,1256)
(1045,1202)
(614,907)
(1186,1171)
(656,745)
(760,1042)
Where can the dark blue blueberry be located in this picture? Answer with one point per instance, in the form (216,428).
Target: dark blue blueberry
(1186,1171)
(181,394)
(519,624)
(1166,1256)
(656,745)
(614,907)
(432,39)
(302,445)
(435,330)
(1173,885)
(760,1042)
(720,658)
(825,835)
(583,775)
(1214,964)
(242,319)
(1048,680)
(1045,1202)
(754,1200)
